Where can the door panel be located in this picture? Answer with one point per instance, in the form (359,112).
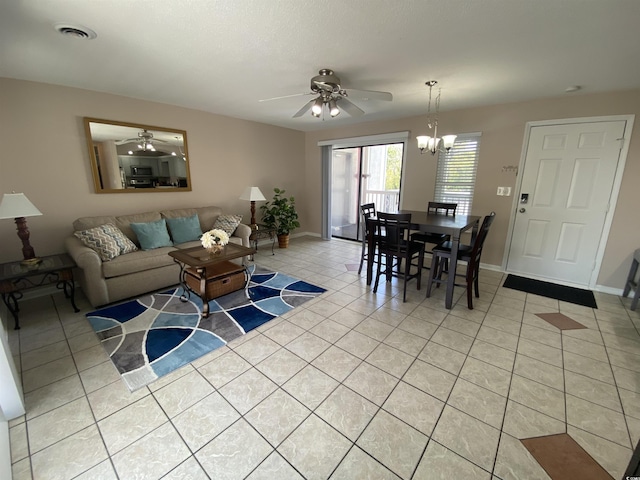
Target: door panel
(345,173)
(568,176)
(359,175)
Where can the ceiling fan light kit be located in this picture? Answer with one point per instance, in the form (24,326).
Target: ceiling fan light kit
(427,143)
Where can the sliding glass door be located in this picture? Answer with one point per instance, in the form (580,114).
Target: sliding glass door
(367,174)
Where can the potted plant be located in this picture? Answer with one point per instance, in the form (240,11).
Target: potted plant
(280,213)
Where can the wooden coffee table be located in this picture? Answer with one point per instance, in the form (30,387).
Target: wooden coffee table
(211,275)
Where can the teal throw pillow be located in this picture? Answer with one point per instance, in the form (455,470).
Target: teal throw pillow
(152,235)
(184,229)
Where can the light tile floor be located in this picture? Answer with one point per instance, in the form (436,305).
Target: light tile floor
(351,385)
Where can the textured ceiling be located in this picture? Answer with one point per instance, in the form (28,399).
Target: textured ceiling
(222,56)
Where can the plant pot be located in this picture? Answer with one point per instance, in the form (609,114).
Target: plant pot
(283,240)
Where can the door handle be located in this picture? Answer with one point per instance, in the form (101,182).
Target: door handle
(522,210)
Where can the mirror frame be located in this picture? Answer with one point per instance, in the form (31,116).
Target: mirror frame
(136,127)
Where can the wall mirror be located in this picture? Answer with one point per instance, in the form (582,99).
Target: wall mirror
(132,158)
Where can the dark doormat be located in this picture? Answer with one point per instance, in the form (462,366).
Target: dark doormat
(551,290)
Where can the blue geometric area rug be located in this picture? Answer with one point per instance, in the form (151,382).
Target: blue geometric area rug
(153,335)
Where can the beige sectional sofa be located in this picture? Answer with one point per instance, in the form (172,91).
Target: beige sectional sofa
(142,271)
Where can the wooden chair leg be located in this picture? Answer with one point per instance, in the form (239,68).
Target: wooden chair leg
(469,288)
(378,272)
(432,274)
(406,279)
(443,266)
(362,257)
(420,267)
(630,278)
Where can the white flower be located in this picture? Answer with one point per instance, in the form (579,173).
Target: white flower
(214,237)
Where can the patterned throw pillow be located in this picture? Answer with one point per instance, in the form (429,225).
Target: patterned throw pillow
(228,223)
(107,240)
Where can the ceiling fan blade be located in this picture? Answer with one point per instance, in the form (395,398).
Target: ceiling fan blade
(350,108)
(285,96)
(127,140)
(305,109)
(369,94)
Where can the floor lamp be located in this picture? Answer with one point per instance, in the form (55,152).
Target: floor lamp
(17,206)
(252,194)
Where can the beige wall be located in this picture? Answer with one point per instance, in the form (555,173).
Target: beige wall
(45,155)
(503,128)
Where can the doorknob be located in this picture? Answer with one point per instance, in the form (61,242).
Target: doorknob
(522,210)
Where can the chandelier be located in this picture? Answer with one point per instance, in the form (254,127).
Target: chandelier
(428,143)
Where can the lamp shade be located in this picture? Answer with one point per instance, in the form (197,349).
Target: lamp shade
(16,205)
(448,141)
(252,194)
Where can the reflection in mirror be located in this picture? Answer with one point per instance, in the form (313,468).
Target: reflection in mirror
(127,157)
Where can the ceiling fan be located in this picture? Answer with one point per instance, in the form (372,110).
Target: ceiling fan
(145,142)
(145,137)
(330,93)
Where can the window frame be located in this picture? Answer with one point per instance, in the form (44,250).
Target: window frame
(464,154)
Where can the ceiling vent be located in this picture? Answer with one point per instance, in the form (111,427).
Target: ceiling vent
(76,31)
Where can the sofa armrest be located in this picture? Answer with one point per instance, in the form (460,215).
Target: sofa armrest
(243,231)
(90,276)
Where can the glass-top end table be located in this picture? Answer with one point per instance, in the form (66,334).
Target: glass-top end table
(16,277)
(259,232)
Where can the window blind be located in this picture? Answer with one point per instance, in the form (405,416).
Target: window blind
(456,173)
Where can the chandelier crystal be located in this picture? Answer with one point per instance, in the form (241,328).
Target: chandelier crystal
(428,143)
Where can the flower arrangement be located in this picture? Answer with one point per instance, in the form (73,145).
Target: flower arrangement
(214,239)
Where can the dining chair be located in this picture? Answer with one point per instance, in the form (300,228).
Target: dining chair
(438,208)
(391,230)
(468,253)
(631,280)
(367,210)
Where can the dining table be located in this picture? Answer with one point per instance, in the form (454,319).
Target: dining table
(452,225)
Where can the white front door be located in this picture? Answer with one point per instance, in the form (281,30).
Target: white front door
(564,197)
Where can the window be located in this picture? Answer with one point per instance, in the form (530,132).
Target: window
(456,173)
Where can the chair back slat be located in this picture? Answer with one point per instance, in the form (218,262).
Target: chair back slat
(367,210)
(478,244)
(391,231)
(442,208)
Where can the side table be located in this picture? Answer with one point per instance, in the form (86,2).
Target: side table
(15,278)
(261,232)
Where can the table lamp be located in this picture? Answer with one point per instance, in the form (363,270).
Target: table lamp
(252,194)
(17,206)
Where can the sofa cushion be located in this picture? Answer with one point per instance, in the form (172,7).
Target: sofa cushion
(107,241)
(184,229)
(124,223)
(85,223)
(152,235)
(179,212)
(228,223)
(139,261)
(207,216)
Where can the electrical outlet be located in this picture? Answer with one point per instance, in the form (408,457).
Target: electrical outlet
(504,191)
